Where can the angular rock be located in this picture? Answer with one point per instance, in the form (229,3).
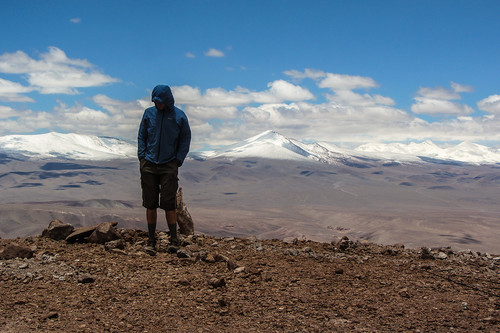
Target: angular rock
(183,282)
(202,255)
(104,232)
(231,265)
(184,219)
(220,257)
(344,243)
(51,315)
(210,258)
(85,278)
(183,253)
(80,235)
(14,250)
(240,269)
(217,283)
(426,253)
(118,251)
(115,244)
(58,230)
(442,255)
(291,252)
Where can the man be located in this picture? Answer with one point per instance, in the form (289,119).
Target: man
(163,143)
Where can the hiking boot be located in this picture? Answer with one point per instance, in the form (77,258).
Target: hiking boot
(175,241)
(151,247)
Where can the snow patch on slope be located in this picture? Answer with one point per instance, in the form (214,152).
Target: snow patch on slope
(66,146)
(463,152)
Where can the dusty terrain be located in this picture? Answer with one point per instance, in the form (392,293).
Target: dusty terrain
(430,205)
(246,285)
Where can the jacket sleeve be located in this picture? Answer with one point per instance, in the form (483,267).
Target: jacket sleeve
(184,141)
(142,138)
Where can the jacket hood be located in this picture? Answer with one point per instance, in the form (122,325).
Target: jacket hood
(163,94)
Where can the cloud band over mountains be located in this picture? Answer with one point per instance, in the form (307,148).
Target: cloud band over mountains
(306,103)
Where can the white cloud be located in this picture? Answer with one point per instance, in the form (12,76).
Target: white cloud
(439,107)
(214,53)
(278,91)
(25,122)
(76,20)
(307,74)
(186,94)
(281,90)
(133,109)
(211,112)
(219,116)
(490,104)
(87,115)
(438,93)
(347,82)
(54,72)
(85,120)
(7,112)
(66,82)
(346,116)
(438,101)
(54,60)
(349,97)
(11,92)
(190,55)
(460,88)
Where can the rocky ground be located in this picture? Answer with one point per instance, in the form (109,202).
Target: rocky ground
(244,285)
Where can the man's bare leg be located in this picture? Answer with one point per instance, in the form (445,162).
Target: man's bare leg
(171,217)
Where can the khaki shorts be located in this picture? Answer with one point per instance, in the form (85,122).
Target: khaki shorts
(159,181)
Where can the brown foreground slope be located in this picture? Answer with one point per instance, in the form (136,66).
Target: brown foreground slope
(246,285)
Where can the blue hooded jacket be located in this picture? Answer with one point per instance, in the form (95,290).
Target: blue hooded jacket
(164,135)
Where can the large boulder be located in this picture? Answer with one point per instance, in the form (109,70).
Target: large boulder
(105,232)
(184,219)
(14,250)
(58,230)
(80,235)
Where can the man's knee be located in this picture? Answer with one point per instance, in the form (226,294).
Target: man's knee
(168,205)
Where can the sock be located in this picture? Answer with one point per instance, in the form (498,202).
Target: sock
(151,231)
(173,230)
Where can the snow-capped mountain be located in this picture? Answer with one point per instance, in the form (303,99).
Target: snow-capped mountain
(66,146)
(273,145)
(464,152)
(268,144)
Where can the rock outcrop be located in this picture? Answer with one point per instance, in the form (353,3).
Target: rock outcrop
(99,234)
(14,250)
(184,219)
(58,230)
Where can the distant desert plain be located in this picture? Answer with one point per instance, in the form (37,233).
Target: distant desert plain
(427,204)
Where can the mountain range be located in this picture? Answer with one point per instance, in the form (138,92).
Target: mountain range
(269,145)
(66,146)
(269,186)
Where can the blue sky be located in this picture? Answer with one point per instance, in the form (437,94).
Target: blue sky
(345,72)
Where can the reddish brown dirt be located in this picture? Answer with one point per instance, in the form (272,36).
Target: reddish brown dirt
(246,285)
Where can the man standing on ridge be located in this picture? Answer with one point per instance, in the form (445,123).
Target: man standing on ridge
(163,143)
